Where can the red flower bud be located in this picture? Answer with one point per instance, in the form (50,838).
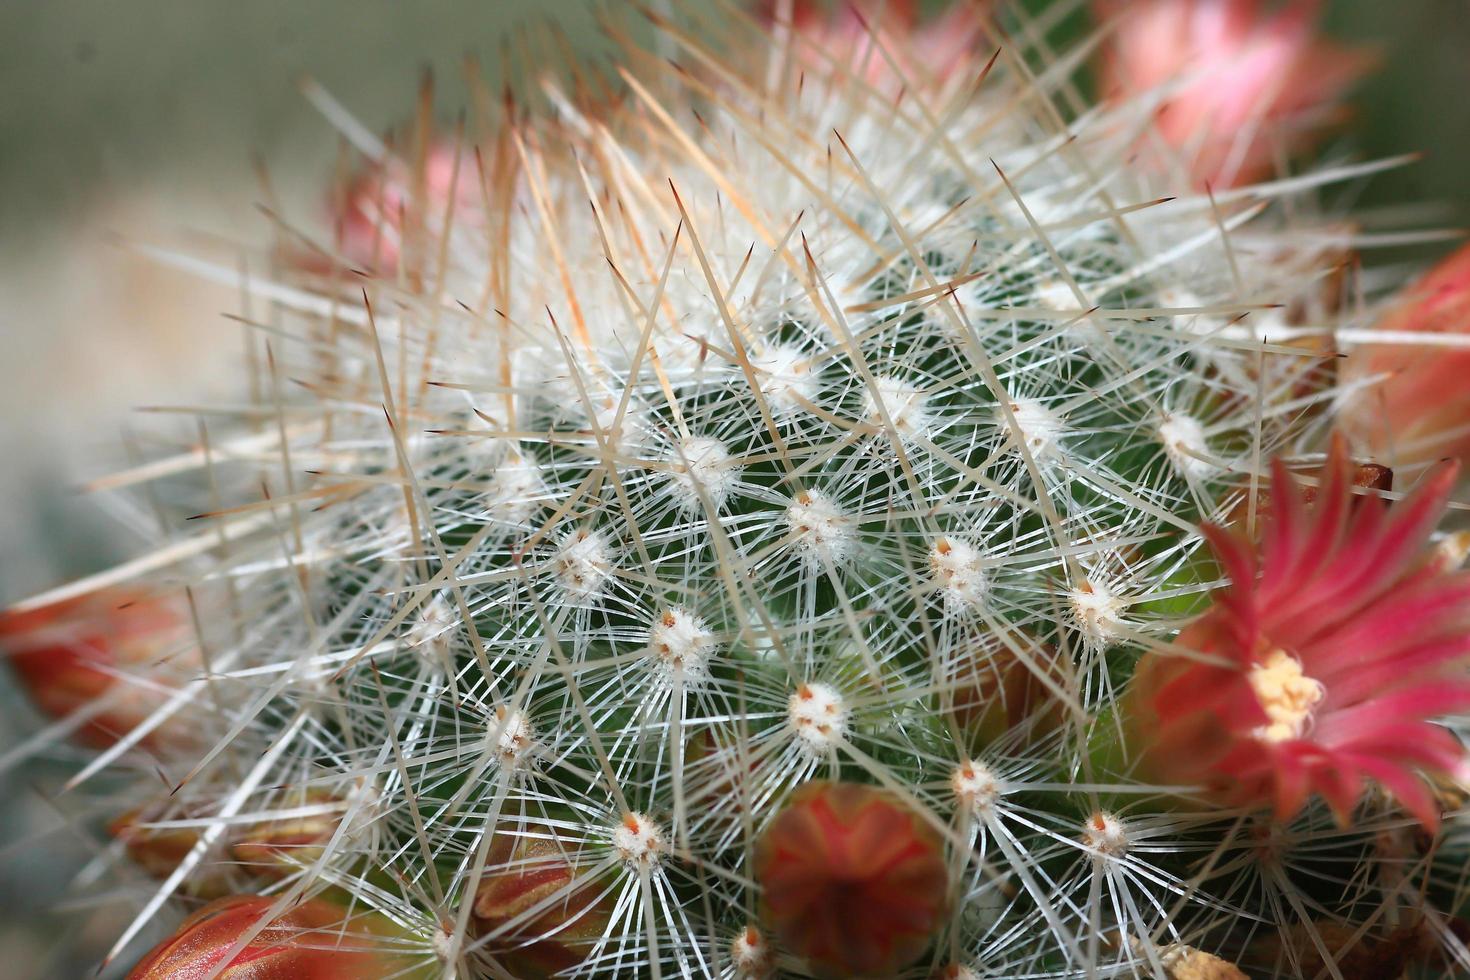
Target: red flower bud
(545,916)
(312,941)
(997,691)
(853,879)
(275,847)
(157,851)
(72,656)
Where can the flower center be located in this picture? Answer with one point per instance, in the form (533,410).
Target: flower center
(1286,694)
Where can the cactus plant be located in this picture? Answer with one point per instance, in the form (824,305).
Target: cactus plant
(709,527)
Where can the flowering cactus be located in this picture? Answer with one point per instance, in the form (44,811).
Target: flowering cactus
(756,529)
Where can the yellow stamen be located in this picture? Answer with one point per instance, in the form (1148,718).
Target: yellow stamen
(1286,694)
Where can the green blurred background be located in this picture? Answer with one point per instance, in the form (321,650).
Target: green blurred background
(142,117)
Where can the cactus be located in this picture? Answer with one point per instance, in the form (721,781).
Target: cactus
(710,530)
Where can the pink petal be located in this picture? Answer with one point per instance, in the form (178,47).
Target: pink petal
(1405,787)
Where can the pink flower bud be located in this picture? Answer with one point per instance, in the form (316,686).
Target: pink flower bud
(853,879)
(83,654)
(315,940)
(1413,406)
(1329,653)
(1253,82)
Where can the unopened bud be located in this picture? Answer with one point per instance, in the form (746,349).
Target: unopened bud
(854,880)
(314,940)
(542,916)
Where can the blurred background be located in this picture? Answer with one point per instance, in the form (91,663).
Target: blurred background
(144,120)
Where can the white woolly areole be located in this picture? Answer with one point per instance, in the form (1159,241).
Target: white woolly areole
(514,735)
(433,631)
(624,436)
(442,943)
(517,490)
(1179,298)
(750,954)
(975,787)
(817,715)
(823,532)
(583,563)
(1054,294)
(682,644)
(1097,613)
(785,377)
(364,808)
(958,573)
(1105,834)
(702,464)
(639,841)
(905,404)
(315,674)
(1184,442)
(1036,425)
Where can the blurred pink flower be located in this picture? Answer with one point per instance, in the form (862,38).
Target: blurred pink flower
(1329,653)
(385,202)
(1418,410)
(855,36)
(1252,80)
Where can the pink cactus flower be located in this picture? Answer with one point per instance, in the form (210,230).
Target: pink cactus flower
(1414,407)
(372,215)
(857,35)
(1253,81)
(315,940)
(853,879)
(1328,654)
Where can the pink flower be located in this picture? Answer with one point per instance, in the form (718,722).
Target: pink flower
(1418,409)
(858,37)
(1329,653)
(315,940)
(1253,80)
(385,203)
